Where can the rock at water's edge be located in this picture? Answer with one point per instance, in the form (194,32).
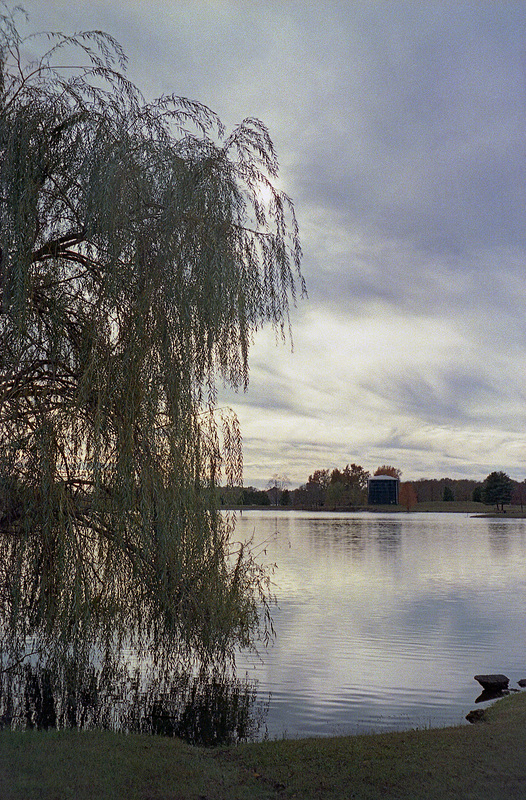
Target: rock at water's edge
(477,715)
(493,682)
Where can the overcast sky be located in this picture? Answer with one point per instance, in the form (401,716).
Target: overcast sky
(400,129)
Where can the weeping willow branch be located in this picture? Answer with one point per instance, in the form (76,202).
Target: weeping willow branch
(137,259)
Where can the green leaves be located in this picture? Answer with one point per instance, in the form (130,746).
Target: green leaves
(138,259)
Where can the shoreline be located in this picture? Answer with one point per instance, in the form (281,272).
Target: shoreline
(480,760)
(474,510)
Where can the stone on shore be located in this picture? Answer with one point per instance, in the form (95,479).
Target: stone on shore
(495,683)
(477,715)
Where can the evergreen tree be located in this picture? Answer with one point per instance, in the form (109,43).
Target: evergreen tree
(497,489)
(448,493)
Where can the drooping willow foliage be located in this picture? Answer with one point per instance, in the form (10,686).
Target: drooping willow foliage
(138,257)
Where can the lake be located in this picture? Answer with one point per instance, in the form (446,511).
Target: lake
(382,620)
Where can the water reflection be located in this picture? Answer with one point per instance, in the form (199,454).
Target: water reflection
(383,620)
(499,537)
(209,709)
(389,537)
(211,712)
(351,536)
(491,694)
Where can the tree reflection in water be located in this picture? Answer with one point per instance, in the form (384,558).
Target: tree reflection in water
(209,707)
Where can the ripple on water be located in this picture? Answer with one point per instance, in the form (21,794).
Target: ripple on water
(382,627)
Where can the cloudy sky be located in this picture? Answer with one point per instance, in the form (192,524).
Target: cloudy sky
(400,128)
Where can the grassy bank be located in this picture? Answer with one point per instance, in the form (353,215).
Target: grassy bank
(485,760)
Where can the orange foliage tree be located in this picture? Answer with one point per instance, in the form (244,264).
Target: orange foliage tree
(387,470)
(407,495)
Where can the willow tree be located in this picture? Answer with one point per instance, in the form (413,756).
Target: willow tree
(139,254)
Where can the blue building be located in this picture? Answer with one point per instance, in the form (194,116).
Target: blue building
(383,490)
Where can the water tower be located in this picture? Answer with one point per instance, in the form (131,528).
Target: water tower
(383,490)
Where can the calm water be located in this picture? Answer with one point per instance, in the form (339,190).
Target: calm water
(383,620)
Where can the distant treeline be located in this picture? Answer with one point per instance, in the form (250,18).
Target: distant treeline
(244,496)
(429,490)
(347,488)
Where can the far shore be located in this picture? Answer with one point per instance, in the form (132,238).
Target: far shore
(439,506)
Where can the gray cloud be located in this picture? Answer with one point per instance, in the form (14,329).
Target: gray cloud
(449,395)
(400,129)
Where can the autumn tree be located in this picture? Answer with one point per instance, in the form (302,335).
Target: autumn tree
(138,257)
(407,495)
(313,492)
(518,496)
(357,476)
(320,477)
(347,487)
(316,486)
(387,470)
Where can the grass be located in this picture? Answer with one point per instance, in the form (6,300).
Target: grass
(485,761)
(453,506)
